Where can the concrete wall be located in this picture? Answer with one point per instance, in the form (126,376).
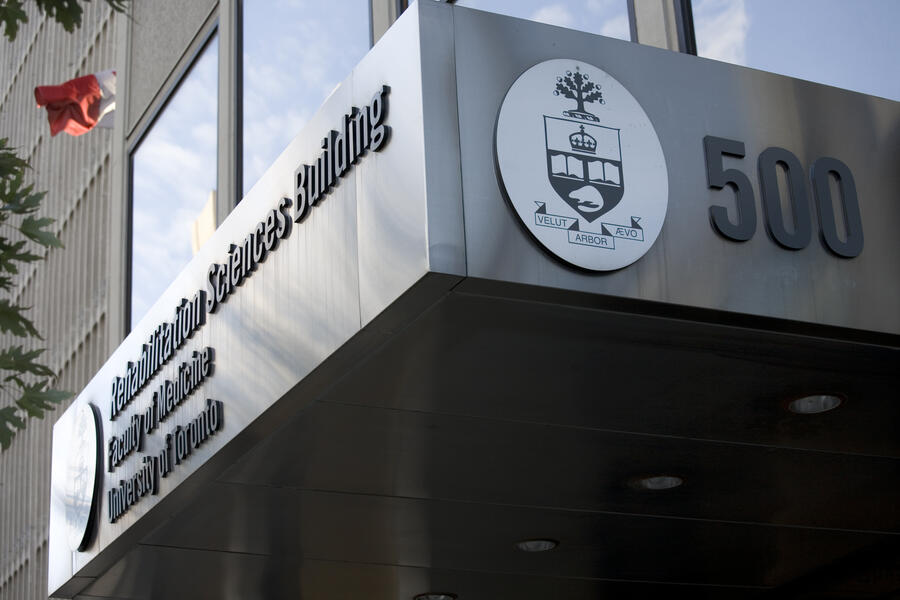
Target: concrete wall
(69,290)
(161,33)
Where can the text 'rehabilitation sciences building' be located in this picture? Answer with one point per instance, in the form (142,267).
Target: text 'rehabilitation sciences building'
(520,312)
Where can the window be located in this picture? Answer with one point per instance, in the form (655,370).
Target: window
(852,45)
(295,54)
(604,17)
(174,183)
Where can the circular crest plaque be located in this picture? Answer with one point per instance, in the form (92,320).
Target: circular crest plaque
(82,476)
(582,165)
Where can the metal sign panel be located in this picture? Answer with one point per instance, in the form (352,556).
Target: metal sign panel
(329,237)
(781,192)
(351,217)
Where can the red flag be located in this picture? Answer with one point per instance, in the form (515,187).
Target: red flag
(79,105)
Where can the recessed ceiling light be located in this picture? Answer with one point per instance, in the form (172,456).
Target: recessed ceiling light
(814,404)
(657,482)
(537,545)
(436,596)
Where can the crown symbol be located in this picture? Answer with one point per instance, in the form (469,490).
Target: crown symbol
(583,142)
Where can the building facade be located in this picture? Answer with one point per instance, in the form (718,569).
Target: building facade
(395,372)
(70,289)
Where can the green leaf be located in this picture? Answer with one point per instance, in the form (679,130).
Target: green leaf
(35,399)
(23,361)
(5,283)
(33,229)
(9,422)
(11,14)
(13,321)
(66,12)
(10,164)
(17,199)
(13,252)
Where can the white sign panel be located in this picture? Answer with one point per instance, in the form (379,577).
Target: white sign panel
(582,165)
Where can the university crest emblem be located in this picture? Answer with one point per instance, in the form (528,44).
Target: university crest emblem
(581,164)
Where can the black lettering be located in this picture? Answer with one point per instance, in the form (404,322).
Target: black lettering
(132,382)
(114,400)
(300,193)
(339,147)
(327,144)
(361,139)
(321,166)
(249,265)
(120,394)
(237,266)
(176,325)
(167,342)
(378,110)
(206,362)
(312,185)
(187,320)
(822,171)
(771,198)
(259,243)
(718,177)
(216,414)
(271,239)
(142,367)
(283,216)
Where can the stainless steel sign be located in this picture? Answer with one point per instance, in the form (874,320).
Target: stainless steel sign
(582,165)
(361,130)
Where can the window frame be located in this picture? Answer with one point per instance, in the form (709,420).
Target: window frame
(198,46)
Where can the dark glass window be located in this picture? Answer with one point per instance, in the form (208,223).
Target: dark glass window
(174,184)
(604,17)
(852,45)
(295,53)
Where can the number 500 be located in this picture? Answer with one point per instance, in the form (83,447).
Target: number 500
(822,170)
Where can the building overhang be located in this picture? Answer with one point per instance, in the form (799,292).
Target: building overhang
(412,382)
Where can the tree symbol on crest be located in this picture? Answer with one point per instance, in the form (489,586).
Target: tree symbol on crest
(576,86)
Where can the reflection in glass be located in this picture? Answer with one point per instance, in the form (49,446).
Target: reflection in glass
(174,178)
(604,17)
(852,45)
(295,54)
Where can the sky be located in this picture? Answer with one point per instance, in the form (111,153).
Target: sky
(173,173)
(851,44)
(297,51)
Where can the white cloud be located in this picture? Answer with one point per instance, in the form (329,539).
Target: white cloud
(616,27)
(174,171)
(603,6)
(721,28)
(292,62)
(554,14)
(266,136)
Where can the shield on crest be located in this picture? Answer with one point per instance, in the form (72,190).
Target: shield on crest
(584,165)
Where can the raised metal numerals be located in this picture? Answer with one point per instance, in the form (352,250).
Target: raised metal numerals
(798,236)
(718,178)
(822,170)
(771,198)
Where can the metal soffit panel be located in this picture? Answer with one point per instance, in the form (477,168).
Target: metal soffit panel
(485,433)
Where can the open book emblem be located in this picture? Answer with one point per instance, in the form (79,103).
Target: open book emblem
(584,164)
